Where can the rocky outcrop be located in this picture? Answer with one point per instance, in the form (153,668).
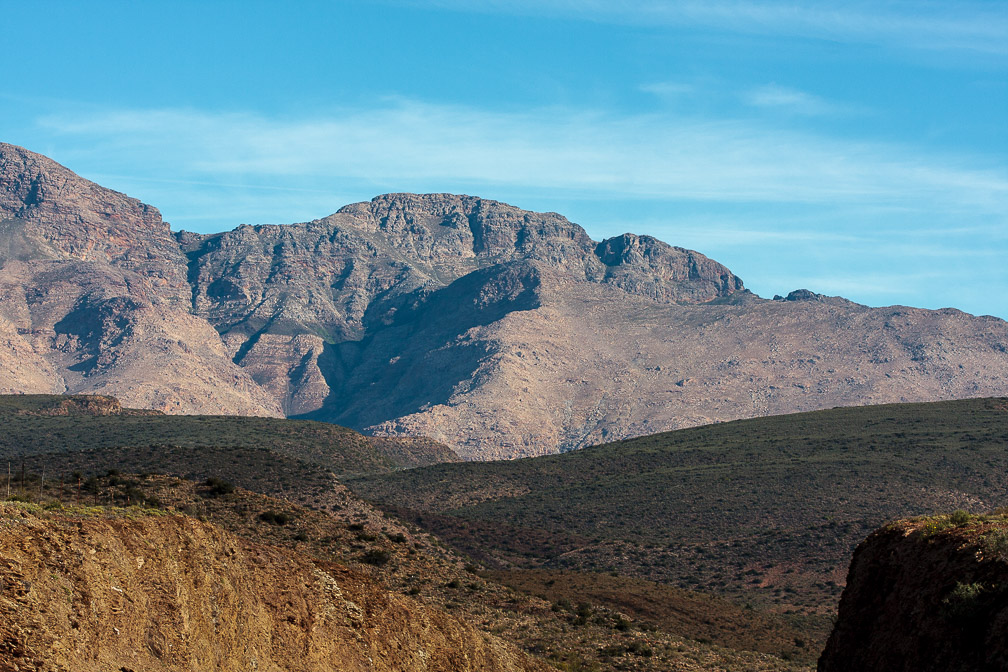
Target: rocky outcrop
(50,212)
(646,266)
(925,595)
(92,405)
(167,592)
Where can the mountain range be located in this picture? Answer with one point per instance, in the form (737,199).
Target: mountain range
(497,331)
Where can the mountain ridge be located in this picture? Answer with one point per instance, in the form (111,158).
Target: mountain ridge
(498,331)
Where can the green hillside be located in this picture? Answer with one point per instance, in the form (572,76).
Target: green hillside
(767,509)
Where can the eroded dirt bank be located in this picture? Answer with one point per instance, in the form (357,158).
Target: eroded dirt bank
(103,591)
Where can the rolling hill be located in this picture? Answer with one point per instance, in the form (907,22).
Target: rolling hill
(60,435)
(765,510)
(88,458)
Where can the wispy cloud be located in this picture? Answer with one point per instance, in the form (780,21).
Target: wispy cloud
(669,89)
(752,195)
(920,24)
(417,146)
(792,101)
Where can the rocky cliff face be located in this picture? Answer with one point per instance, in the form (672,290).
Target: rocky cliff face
(339,275)
(926,595)
(52,213)
(94,298)
(166,592)
(498,331)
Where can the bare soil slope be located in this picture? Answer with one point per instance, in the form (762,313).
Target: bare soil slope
(166,592)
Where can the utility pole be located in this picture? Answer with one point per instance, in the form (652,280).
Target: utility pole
(41,483)
(8,479)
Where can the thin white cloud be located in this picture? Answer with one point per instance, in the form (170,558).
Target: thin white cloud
(919,24)
(793,101)
(422,147)
(877,285)
(669,89)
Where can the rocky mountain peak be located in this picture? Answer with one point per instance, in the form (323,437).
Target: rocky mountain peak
(36,188)
(647,266)
(55,213)
(445,229)
(440,228)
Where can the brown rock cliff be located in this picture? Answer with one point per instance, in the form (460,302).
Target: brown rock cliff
(923,598)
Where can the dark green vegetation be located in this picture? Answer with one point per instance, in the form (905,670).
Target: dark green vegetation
(59,436)
(765,510)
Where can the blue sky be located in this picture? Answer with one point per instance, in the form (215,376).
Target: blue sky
(853,148)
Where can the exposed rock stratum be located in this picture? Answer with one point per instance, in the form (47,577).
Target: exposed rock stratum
(923,598)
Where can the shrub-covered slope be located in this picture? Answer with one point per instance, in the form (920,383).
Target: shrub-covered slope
(768,508)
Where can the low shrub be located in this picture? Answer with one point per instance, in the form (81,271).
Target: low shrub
(639,648)
(218,487)
(964,601)
(995,545)
(959,518)
(274,517)
(376,557)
